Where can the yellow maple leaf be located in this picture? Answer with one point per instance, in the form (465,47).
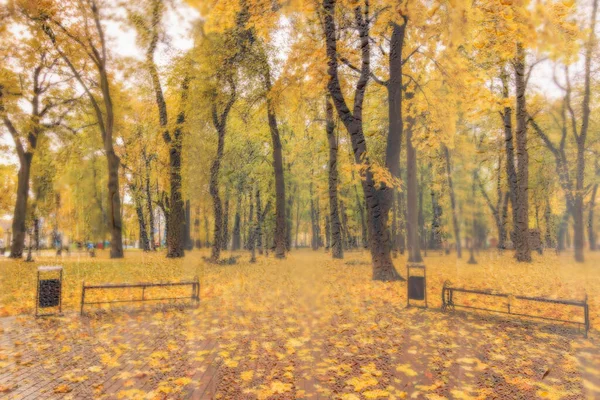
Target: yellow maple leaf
(361,382)
(280,387)
(182,381)
(247,376)
(406,370)
(62,389)
(376,394)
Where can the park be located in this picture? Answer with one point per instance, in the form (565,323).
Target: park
(299,199)
(304,327)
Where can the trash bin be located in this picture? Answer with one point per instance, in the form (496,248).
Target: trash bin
(417,284)
(49,290)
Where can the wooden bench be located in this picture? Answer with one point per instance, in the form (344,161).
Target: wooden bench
(194,295)
(448,303)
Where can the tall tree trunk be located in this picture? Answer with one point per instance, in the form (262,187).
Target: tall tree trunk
(511,170)
(361,212)
(421,220)
(250,222)
(279,234)
(149,207)
(337,246)
(288,212)
(20,213)
(395,130)
(225,239)
(591,230)
(114,201)
(214,193)
(313,223)
(176,216)
(401,223)
(145,245)
(197,240)
(318,223)
(394,230)
(522,246)
(258,228)
(548,222)
(345,230)
(237,242)
(220,123)
(435,241)
(472,259)
(36,233)
(327,233)
(254,233)
(455,222)
(414,252)
(297,222)
(189,245)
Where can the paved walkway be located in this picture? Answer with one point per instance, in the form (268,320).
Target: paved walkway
(175,354)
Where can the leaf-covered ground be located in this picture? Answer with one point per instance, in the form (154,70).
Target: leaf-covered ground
(304,327)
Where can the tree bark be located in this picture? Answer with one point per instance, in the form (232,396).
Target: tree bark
(523,251)
(337,246)
(455,222)
(214,193)
(591,230)
(435,240)
(414,252)
(237,242)
(401,223)
(250,222)
(225,240)
(20,213)
(149,207)
(548,222)
(314,241)
(142,224)
(511,170)
(176,215)
(297,222)
(189,243)
(279,234)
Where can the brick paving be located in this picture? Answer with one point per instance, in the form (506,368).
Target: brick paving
(122,355)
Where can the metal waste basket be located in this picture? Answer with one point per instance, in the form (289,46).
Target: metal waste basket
(417,284)
(49,290)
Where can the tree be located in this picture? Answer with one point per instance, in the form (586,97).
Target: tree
(383,267)
(79,39)
(43,87)
(575,192)
(149,29)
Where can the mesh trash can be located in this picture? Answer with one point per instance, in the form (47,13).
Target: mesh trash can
(416,286)
(49,291)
